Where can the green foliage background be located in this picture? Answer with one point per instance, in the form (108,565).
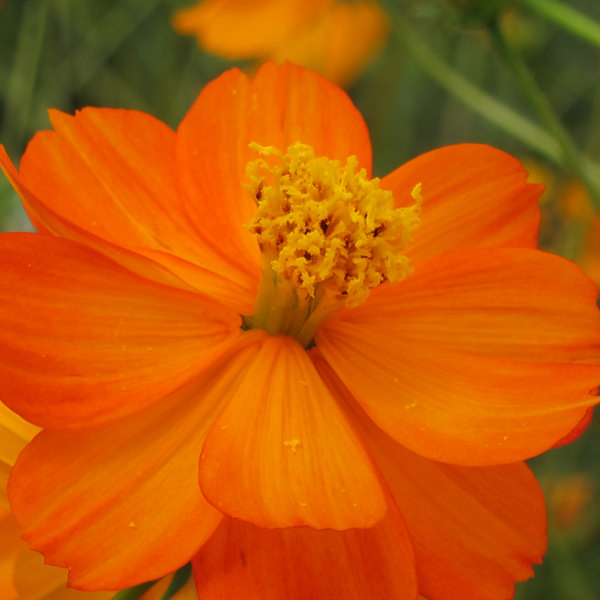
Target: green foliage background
(443,77)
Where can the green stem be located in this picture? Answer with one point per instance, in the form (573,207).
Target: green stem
(504,117)
(24,72)
(135,592)
(102,40)
(570,155)
(476,99)
(567,17)
(180,578)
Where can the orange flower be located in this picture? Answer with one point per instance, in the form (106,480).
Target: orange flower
(569,499)
(577,212)
(336,38)
(352,373)
(568,203)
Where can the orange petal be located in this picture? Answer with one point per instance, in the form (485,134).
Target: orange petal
(478,358)
(476,530)
(119,504)
(280,106)
(242,29)
(15,432)
(581,426)
(83,341)
(474,196)
(339,42)
(35,580)
(10,547)
(110,171)
(4,474)
(47,221)
(244,562)
(107,178)
(281,454)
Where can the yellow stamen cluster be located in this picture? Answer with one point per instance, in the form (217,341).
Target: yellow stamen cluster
(325,228)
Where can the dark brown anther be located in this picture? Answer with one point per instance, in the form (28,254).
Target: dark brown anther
(259,191)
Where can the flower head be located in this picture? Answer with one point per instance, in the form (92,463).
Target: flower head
(335,37)
(246,352)
(327,236)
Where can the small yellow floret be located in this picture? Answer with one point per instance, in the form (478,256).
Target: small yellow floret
(326,224)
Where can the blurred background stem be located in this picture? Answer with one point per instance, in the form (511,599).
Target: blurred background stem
(476,99)
(570,157)
(566,17)
(23,74)
(552,141)
(102,40)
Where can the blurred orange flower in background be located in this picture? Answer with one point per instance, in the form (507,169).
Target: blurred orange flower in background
(569,497)
(569,203)
(575,206)
(245,352)
(336,38)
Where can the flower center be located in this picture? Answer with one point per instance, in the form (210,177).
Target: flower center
(327,235)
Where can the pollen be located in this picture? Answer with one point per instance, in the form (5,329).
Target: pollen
(323,223)
(328,235)
(292,444)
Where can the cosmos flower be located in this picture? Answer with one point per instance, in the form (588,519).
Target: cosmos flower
(246,352)
(335,37)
